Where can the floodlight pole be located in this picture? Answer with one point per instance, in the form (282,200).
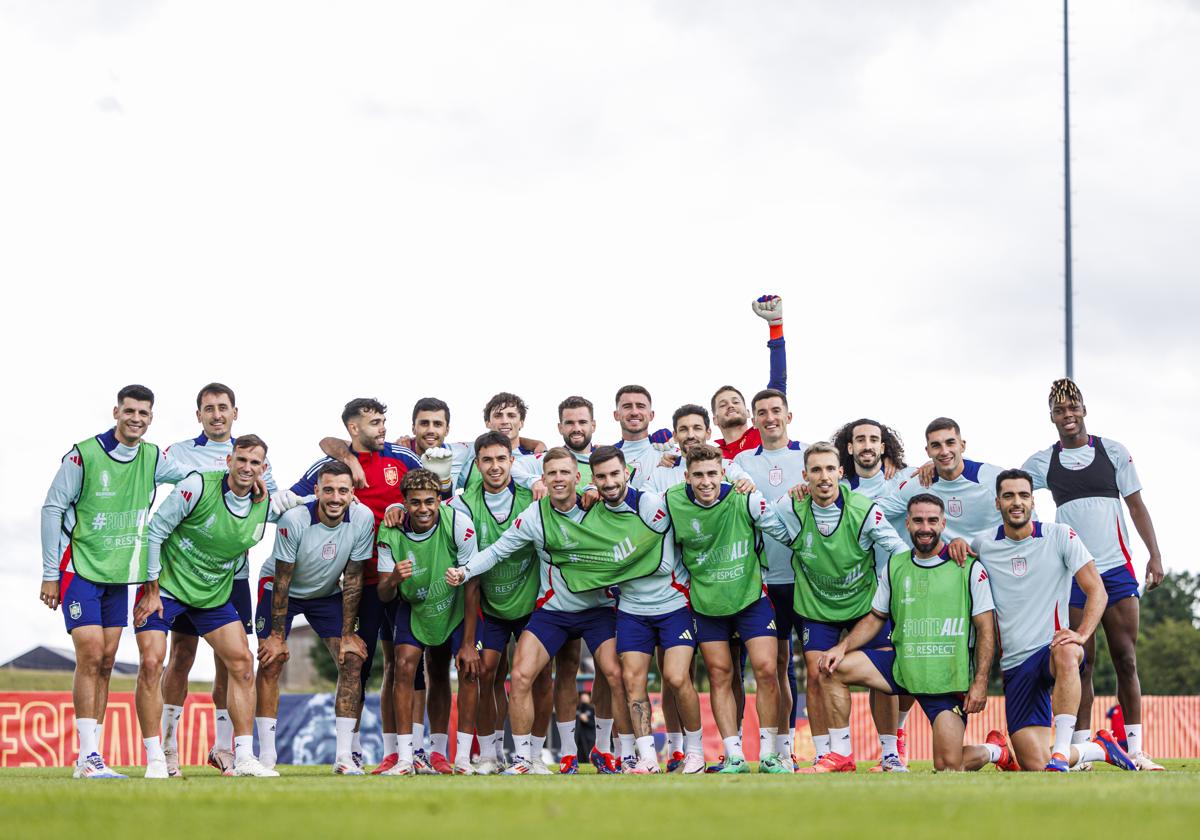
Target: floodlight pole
(1070,327)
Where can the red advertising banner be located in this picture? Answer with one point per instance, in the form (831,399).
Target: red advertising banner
(37,729)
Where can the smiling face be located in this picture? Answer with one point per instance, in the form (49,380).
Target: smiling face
(1067,416)
(368,431)
(771,418)
(611,479)
(925,524)
(945,447)
(823,471)
(495,466)
(334,494)
(705,478)
(245,465)
(506,419)
(729,409)
(561,476)
(216,415)
(866,447)
(1014,500)
(429,430)
(577,427)
(633,413)
(690,429)
(423,509)
(133,419)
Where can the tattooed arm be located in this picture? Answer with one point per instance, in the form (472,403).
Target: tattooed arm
(273,649)
(352,586)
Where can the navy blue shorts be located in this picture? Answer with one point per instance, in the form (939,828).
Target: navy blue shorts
(751,622)
(1119,583)
(240,598)
(204,620)
(1027,689)
(932,704)
(93,604)
(494,633)
(643,633)
(818,636)
(553,628)
(404,635)
(323,614)
(782,596)
(370,618)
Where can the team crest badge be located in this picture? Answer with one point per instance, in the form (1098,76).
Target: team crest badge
(1019,566)
(328,551)
(76,610)
(391,475)
(775,476)
(260,623)
(954,507)
(804,641)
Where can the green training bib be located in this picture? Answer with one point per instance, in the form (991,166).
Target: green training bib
(108,542)
(931,607)
(437,607)
(835,578)
(721,551)
(509,589)
(605,549)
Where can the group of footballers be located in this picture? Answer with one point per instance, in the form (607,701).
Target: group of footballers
(500,556)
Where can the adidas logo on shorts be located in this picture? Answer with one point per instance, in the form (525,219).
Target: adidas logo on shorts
(686,634)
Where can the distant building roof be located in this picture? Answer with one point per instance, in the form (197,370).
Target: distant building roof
(42,658)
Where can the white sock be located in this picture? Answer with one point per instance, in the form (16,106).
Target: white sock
(523,746)
(100,737)
(462,748)
(1081,736)
(766,741)
(243,747)
(674,742)
(389,743)
(343,727)
(1133,737)
(153,748)
(566,734)
(993,751)
(733,747)
(224,730)
(404,748)
(1090,751)
(356,741)
(821,745)
(418,735)
(792,734)
(487,747)
(902,718)
(783,745)
(86,729)
(628,744)
(171,715)
(498,740)
(266,739)
(887,745)
(604,727)
(1064,726)
(645,748)
(538,743)
(839,741)
(693,742)
(438,741)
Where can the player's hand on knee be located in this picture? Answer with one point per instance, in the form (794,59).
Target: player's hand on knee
(744,486)
(394,515)
(468,662)
(351,644)
(830,659)
(49,593)
(272,650)
(149,604)
(1066,636)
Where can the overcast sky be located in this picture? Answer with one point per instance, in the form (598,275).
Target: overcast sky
(313,202)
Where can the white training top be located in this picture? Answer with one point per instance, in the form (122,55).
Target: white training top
(319,553)
(774,472)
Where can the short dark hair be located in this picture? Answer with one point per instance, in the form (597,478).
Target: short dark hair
(249,442)
(703,452)
(926,499)
(420,479)
(136,392)
(942,424)
(687,411)
(606,453)
(503,400)
(766,394)
(492,439)
(632,389)
(333,467)
(1008,475)
(361,405)
(216,388)
(430,404)
(557,453)
(713,402)
(576,402)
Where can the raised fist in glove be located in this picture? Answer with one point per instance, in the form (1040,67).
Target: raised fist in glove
(439,460)
(282,501)
(770,309)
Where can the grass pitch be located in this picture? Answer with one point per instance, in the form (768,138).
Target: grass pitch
(309,802)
